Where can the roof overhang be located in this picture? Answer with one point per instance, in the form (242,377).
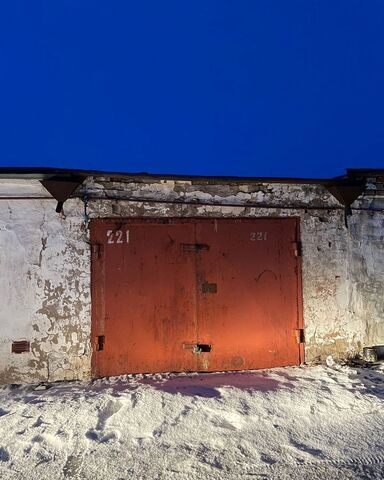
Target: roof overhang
(62,182)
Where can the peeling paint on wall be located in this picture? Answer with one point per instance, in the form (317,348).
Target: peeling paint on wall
(45,265)
(45,285)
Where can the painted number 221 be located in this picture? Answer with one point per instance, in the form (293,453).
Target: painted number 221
(255,236)
(117,236)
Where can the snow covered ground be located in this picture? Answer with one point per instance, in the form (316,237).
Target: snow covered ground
(287,423)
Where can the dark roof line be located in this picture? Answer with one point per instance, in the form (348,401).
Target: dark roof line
(365,172)
(42,173)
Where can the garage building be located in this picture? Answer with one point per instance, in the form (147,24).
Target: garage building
(106,273)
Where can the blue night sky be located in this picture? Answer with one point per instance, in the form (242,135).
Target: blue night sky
(247,87)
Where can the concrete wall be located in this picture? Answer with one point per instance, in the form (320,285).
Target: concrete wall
(45,264)
(44,288)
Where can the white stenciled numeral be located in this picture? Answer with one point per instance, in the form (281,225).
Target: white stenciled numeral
(117,236)
(110,236)
(258,236)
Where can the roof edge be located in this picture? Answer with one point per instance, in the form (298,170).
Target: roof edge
(43,173)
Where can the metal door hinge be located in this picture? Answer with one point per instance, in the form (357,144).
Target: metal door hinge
(298,249)
(98,250)
(100,342)
(298,333)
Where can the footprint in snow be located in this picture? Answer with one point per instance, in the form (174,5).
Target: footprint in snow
(227,420)
(38,423)
(4,455)
(73,465)
(301,447)
(112,407)
(267,459)
(103,418)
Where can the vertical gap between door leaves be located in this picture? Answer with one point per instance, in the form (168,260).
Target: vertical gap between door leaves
(299,290)
(197,262)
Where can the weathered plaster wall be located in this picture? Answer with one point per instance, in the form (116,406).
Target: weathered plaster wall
(44,288)
(45,264)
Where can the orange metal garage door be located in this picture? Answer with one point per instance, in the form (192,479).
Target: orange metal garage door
(194,295)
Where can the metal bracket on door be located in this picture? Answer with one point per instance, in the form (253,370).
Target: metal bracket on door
(194,247)
(209,287)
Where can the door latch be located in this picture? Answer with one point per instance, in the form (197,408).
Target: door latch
(198,348)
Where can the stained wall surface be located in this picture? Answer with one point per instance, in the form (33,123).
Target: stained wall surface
(45,263)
